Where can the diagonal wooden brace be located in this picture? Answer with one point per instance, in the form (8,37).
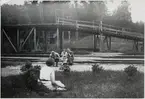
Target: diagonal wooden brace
(27,37)
(9,40)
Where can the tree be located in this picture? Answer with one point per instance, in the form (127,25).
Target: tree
(123,14)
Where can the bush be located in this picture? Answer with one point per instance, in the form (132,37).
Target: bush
(96,68)
(50,61)
(32,76)
(27,66)
(66,69)
(130,70)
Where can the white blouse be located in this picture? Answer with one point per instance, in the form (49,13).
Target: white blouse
(47,73)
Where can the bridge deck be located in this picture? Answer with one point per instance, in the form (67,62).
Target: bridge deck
(92,29)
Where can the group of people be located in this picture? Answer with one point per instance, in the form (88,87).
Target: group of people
(66,57)
(46,74)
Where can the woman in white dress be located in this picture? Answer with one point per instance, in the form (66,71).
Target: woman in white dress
(47,78)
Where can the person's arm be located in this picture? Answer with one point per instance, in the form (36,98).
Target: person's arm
(52,77)
(61,54)
(58,56)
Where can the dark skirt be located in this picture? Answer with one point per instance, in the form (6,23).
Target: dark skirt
(56,60)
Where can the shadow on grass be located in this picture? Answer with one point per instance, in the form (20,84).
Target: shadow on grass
(106,84)
(17,87)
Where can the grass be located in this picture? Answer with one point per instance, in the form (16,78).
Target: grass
(11,63)
(106,84)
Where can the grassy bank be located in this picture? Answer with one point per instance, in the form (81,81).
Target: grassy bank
(107,84)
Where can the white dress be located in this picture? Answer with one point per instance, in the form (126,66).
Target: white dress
(47,76)
(64,56)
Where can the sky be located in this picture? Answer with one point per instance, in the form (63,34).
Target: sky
(137,7)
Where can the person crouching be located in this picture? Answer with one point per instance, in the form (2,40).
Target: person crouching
(55,56)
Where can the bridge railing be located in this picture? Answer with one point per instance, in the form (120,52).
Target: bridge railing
(94,24)
(63,20)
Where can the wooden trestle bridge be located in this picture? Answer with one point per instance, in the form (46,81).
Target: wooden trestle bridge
(100,31)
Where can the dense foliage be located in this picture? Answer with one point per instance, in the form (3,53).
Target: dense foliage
(130,70)
(47,12)
(96,68)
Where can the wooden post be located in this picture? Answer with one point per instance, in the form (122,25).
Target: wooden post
(18,40)
(35,42)
(69,36)
(77,34)
(109,43)
(101,37)
(133,46)
(61,40)
(2,42)
(45,41)
(57,41)
(98,41)
(95,42)
(142,47)
(137,46)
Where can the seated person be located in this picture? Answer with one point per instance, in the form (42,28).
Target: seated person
(64,55)
(41,75)
(47,77)
(70,57)
(55,56)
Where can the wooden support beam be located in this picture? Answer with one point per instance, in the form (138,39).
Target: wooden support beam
(95,42)
(57,41)
(77,34)
(109,43)
(9,40)
(101,43)
(35,41)
(98,41)
(101,38)
(27,38)
(2,42)
(61,40)
(69,36)
(142,47)
(18,40)
(135,46)
(45,41)
(105,39)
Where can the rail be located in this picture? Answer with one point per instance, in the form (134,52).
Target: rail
(94,25)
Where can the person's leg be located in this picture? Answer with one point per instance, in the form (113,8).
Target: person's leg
(49,85)
(59,83)
(56,62)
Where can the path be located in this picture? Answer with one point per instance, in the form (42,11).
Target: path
(13,70)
